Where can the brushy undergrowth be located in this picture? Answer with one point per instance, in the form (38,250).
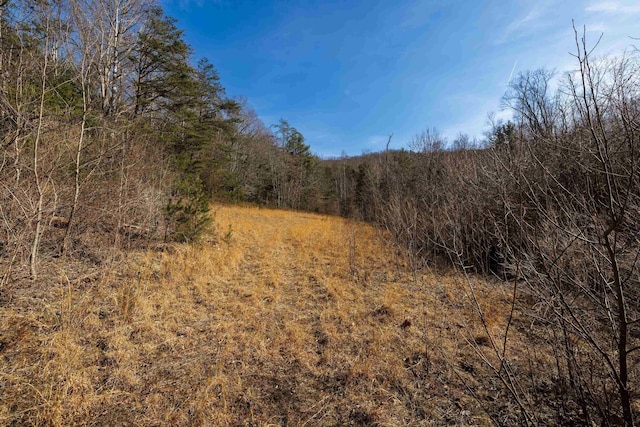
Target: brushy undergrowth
(286,319)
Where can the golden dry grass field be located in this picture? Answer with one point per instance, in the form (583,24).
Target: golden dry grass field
(283,319)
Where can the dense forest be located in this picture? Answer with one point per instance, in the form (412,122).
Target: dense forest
(115,135)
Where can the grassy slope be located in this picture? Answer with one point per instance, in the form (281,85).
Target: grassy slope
(289,318)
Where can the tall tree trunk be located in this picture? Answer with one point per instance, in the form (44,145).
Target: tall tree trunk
(76,172)
(36,163)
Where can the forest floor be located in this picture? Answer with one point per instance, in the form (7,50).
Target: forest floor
(282,319)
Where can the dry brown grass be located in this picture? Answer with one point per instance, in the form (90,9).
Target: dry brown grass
(288,318)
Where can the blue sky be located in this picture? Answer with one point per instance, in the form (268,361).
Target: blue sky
(349,73)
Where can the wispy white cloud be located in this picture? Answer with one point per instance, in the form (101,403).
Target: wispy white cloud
(598,27)
(615,7)
(513,69)
(616,20)
(521,22)
(528,22)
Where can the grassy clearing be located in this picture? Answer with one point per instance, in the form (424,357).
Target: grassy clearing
(288,318)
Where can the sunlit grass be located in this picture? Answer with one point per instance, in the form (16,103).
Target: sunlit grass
(281,318)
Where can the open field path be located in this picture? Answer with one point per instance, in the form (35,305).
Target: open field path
(282,319)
